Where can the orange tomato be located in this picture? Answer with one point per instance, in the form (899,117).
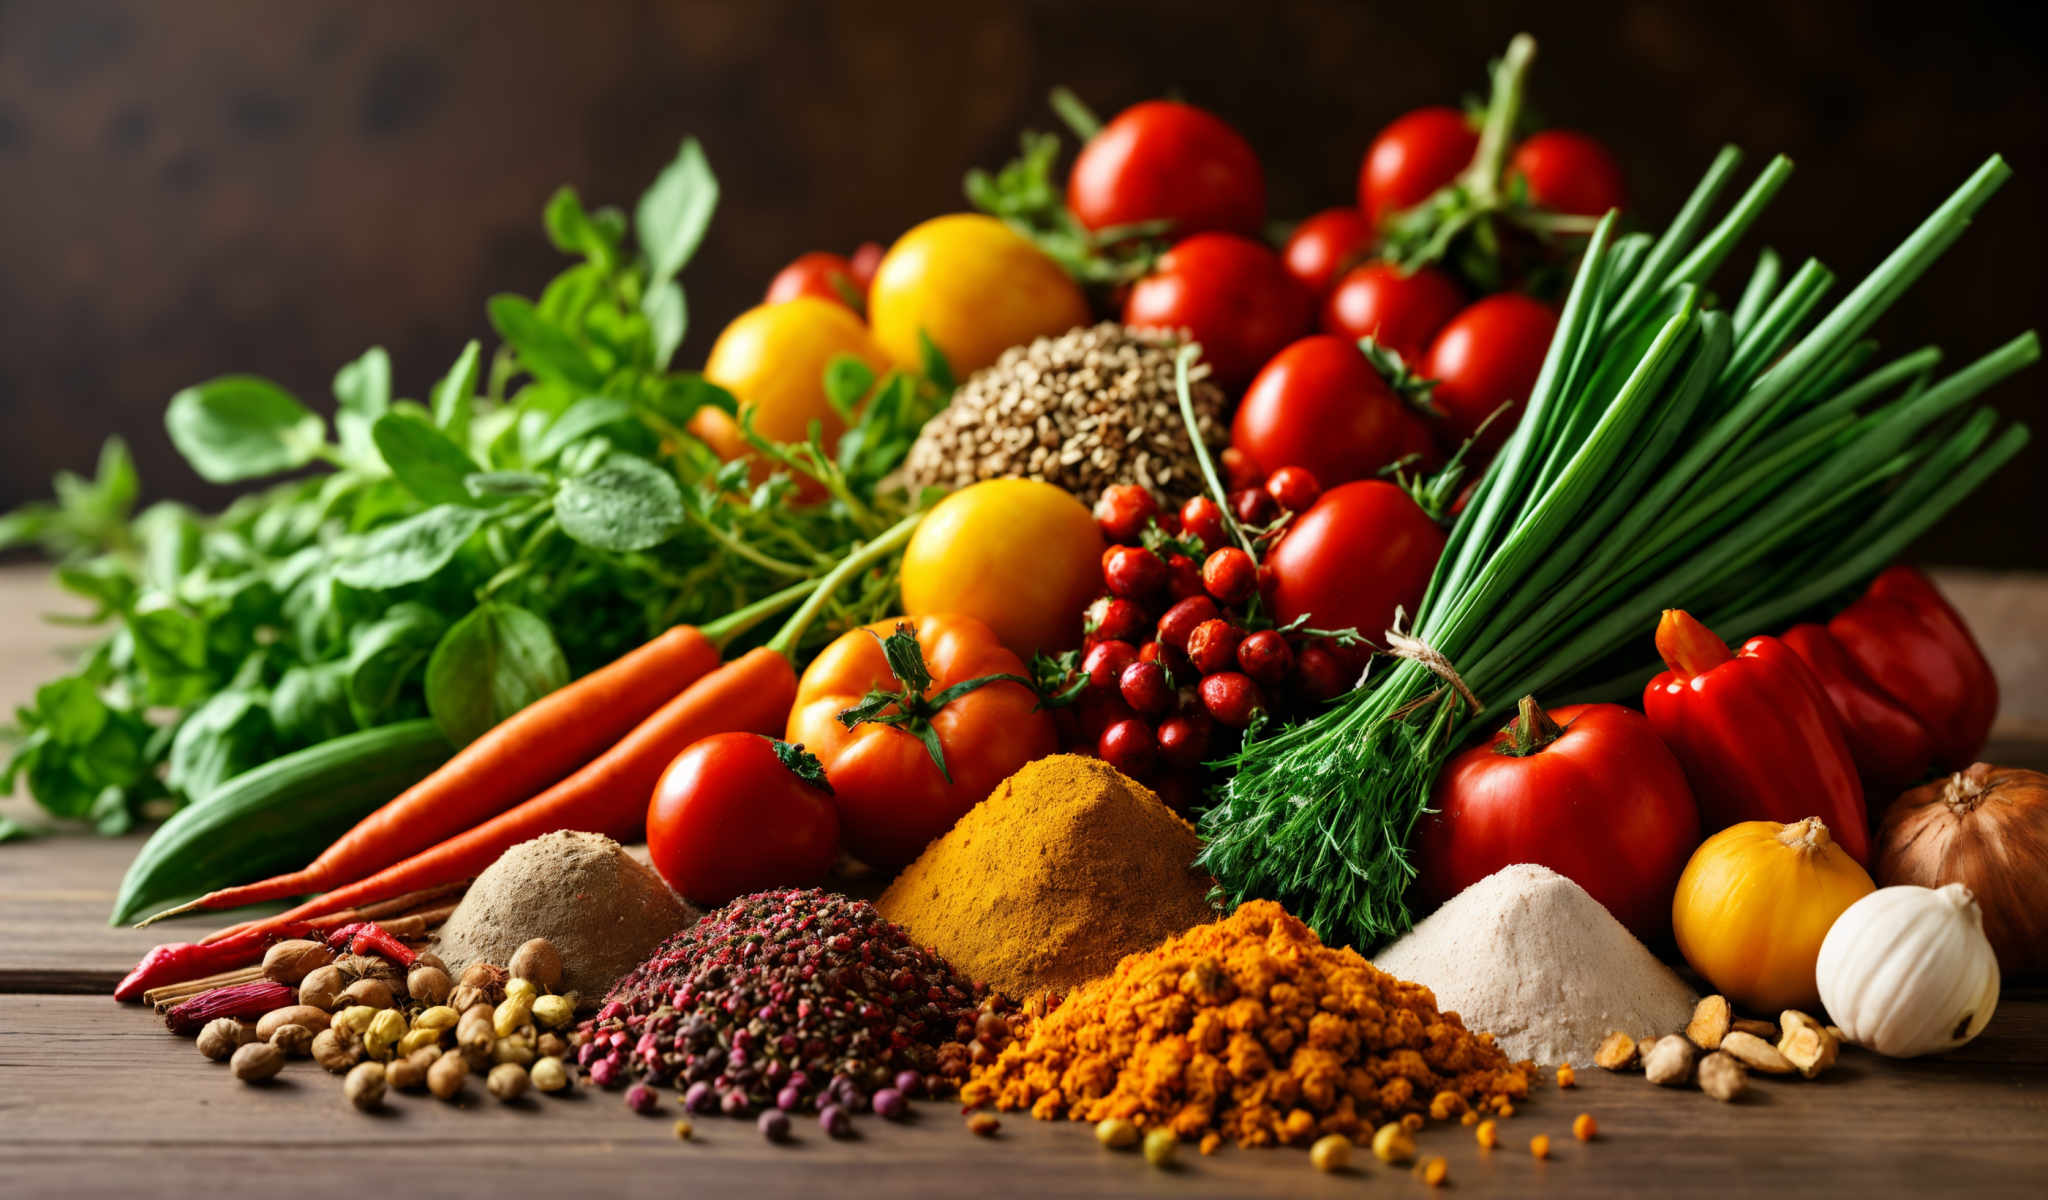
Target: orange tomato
(1022,556)
(772,358)
(975,286)
(892,797)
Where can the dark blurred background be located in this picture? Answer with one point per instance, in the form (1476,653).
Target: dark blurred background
(190,187)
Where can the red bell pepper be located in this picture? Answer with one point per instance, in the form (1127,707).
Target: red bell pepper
(1914,645)
(1891,746)
(1755,732)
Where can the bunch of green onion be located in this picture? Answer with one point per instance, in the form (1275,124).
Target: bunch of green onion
(1746,465)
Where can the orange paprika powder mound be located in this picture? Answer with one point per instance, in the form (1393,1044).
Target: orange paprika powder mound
(1250,1028)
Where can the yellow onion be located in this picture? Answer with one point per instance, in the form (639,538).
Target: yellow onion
(1986,828)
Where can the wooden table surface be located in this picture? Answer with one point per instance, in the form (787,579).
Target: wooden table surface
(97,1099)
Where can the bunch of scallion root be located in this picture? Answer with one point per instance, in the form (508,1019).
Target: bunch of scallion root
(1743,464)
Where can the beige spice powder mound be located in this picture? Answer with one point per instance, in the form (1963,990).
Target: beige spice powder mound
(1529,956)
(601,907)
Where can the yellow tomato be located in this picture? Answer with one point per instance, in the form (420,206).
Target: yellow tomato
(1754,904)
(1021,556)
(772,359)
(976,286)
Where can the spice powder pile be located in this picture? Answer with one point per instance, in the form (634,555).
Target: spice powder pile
(1250,1029)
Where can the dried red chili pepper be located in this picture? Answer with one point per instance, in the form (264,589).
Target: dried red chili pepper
(182,962)
(368,937)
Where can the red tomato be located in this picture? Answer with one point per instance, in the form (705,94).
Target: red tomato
(1604,804)
(1320,404)
(1231,294)
(1568,172)
(1488,356)
(1400,310)
(1325,245)
(819,273)
(866,258)
(1363,550)
(1412,158)
(1167,161)
(733,815)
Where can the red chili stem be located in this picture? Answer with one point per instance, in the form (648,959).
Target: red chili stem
(1689,648)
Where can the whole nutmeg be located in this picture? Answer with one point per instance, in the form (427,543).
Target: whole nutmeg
(539,961)
(549,1074)
(296,1041)
(552,1045)
(223,1036)
(291,961)
(374,993)
(364,1086)
(256,1062)
(425,1056)
(405,1075)
(321,988)
(483,975)
(507,1081)
(427,958)
(336,1051)
(308,1015)
(428,985)
(446,1077)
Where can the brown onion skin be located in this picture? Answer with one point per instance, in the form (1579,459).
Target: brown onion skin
(1986,828)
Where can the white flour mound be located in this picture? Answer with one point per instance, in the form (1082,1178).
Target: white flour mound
(1527,955)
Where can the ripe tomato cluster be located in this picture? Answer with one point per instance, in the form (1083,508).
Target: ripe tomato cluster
(1181,650)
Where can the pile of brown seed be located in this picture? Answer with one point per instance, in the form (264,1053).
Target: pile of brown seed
(1089,408)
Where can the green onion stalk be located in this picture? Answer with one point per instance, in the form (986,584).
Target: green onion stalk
(1747,465)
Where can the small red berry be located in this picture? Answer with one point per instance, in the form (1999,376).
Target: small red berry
(1212,647)
(1113,618)
(1130,747)
(1230,575)
(1105,662)
(1123,510)
(1232,698)
(1321,674)
(1145,688)
(1265,657)
(1184,739)
(1183,577)
(1253,506)
(1202,518)
(1133,572)
(1294,488)
(1239,471)
(1181,619)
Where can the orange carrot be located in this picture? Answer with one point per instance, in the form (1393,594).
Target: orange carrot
(609,795)
(534,747)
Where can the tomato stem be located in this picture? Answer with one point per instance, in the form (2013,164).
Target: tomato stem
(1530,732)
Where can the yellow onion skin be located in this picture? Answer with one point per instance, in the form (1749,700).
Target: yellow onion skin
(1985,827)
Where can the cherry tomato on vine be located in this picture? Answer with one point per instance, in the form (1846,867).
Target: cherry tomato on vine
(738,813)
(1320,404)
(1325,246)
(1413,157)
(1361,551)
(1568,172)
(1401,310)
(1167,161)
(1232,294)
(819,273)
(1488,356)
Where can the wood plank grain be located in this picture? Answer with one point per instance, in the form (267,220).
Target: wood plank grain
(98,1097)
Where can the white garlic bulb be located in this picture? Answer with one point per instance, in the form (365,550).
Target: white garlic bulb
(1907,970)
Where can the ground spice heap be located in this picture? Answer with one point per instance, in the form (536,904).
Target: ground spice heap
(1091,407)
(793,1000)
(1250,1029)
(1067,866)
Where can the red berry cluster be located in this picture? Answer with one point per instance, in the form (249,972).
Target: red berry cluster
(1178,659)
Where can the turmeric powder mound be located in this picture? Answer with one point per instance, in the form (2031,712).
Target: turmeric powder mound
(1250,1028)
(1065,868)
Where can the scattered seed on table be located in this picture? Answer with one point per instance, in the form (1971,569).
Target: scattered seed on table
(1435,1171)
(1566,1077)
(1585,1128)
(684,1129)
(1488,1134)
(983,1124)
(1116,1133)
(774,1125)
(1331,1152)
(1160,1145)
(1540,1145)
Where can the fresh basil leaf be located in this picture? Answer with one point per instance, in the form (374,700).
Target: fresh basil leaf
(71,709)
(104,580)
(110,813)
(169,646)
(682,394)
(573,232)
(490,664)
(170,535)
(228,734)
(497,485)
(847,380)
(310,703)
(582,419)
(668,318)
(455,395)
(363,391)
(423,459)
(410,550)
(53,779)
(385,658)
(545,350)
(628,504)
(239,427)
(673,214)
